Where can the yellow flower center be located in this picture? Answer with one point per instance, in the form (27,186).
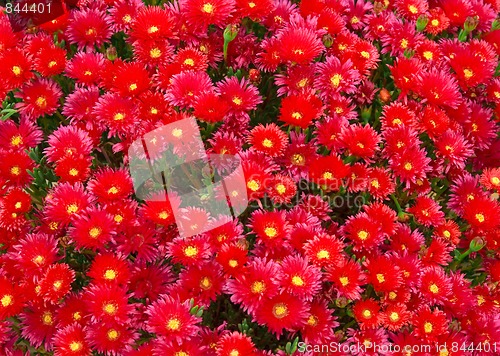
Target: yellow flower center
(208,8)
(312,320)
(428,327)
(253,185)
(47,318)
(468,73)
(110,274)
(16,70)
(174,324)
(95,232)
(206,283)
(75,346)
(408,166)
(363,235)
(110,308)
(297,281)
(323,254)
(258,287)
(267,143)
(344,281)
(270,231)
(380,278)
(335,80)
(6,300)
(434,288)
(112,335)
(280,310)
(119,116)
(394,316)
(189,62)
(367,314)
(190,251)
(72,208)
(16,140)
(155,52)
(480,217)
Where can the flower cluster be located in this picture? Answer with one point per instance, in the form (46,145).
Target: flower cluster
(394,102)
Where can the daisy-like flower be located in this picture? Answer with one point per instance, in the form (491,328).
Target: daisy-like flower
(448,231)
(232,257)
(454,149)
(268,139)
(282,189)
(205,282)
(299,278)
(131,79)
(202,13)
(367,313)
(361,141)
(411,9)
(382,274)
(438,87)
(56,282)
(122,14)
(23,137)
(189,251)
(152,23)
(110,338)
(411,165)
(209,107)
(39,97)
(283,311)
(481,213)
(73,169)
(108,303)
(35,253)
(71,341)
(235,343)
(86,68)
(92,228)
(379,183)
(39,325)
(170,318)
(464,189)
(429,324)
(490,179)
(241,95)
(438,21)
(395,316)
(50,61)
(364,232)
(149,281)
(16,68)
(68,141)
(434,285)
(11,298)
(186,86)
(300,110)
(109,269)
(427,211)
(328,132)
(111,184)
(347,278)
(404,72)
(66,201)
(335,77)
(88,28)
(116,113)
(323,250)
(320,323)
(256,10)
(256,282)
(328,172)
(299,45)
(396,114)
(298,156)
(296,80)
(270,227)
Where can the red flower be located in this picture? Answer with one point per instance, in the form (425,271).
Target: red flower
(363,231)
(16,68)
(482,213)
(202,13)
(108,303)
(86,68)
(11,298)
(268,139)
(335,77)
(39,97)
(382,274)
(360,141)
(347,279)
(434,285)
(109,269)
(235,343)
(71,341)
(92,228)
(367,313)
(152,23)
(89,28)
(395,316)
(170,318)
(282,189)
(299,278)
(328,172)
(323,250)
(111,184)
(110,337)
(438,87)
(298,45)
(209,107)
(116,113)
(270,227)
(320,324)
(256,282)
(66,201)
(300,110)
(68,141)
(240,95)
(35,253)
(429,324)
(283,311)
(427,211)
(56,282)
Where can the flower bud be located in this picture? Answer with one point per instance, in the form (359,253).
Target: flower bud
(327,40)
(111,53)
(471,23)
(477,243)
(385,96)
(422,23)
